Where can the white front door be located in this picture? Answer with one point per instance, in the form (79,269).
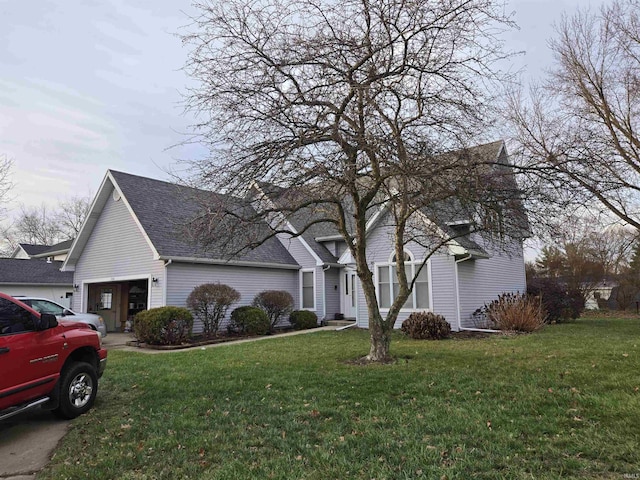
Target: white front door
(349,293)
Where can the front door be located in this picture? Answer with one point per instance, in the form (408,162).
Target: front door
(349,293)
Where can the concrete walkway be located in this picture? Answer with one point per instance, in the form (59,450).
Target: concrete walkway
(27,442)
(118,341)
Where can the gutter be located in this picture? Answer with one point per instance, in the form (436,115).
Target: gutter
(239,263)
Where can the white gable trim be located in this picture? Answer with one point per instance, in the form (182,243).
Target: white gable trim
(97,206)
(156,255)
(315,256)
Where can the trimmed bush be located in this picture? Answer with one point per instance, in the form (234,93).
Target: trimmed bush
(303,319)
(426,326)
(275,303)
(249,320)
(163,326)
(516,312)
(560,303)
(210,302)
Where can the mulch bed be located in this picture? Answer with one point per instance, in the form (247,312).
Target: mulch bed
(199,340)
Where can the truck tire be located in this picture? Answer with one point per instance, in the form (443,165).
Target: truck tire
(78,389)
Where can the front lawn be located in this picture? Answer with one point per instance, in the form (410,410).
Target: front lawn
(561,403)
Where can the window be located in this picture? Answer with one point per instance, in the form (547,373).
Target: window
(106,296)
(44,306)
(14,319)
(388,286)
(308,289)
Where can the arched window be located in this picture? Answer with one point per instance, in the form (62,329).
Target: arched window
(388,285)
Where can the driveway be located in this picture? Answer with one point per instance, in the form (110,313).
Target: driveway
(27,442)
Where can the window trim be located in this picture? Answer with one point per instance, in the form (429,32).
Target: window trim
(413,263)
(301,278)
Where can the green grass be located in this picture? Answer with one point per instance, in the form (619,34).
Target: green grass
(561,403)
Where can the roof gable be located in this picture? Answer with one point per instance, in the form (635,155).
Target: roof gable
(162,211)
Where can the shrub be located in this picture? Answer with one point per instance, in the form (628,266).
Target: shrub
(163,326)
(275,303)
(210,302)
(303,319)
(560,304)
(251,320)
(426,326)
(515,311)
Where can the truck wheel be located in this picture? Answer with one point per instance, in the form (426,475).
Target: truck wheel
(78,389)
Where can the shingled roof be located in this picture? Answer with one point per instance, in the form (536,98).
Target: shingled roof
(32,249)
(58,248)
(164,210)
(33,272)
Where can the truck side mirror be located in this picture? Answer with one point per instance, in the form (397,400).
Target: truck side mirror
(46,321)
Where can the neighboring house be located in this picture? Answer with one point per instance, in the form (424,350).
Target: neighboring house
(26,250)
(36,278)
(57,252)
(132,254)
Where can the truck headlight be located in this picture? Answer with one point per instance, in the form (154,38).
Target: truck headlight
(99,339)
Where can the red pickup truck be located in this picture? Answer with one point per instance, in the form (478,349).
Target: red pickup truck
(46,363)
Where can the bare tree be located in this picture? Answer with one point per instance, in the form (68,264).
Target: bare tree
(44,226)
(36,225)
(348,107)
(577,132)
(71,214)
(5,182)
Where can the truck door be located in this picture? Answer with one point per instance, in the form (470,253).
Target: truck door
(29,359)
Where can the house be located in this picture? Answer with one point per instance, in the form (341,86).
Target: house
(36,278)
(57,252)
(132,253)
(26,250)
(34,271)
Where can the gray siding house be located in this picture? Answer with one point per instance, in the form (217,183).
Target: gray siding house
(133,253)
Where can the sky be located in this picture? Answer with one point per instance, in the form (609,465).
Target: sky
(91,85)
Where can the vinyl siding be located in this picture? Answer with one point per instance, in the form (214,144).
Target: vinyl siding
(483,280)
(182,278)
(444,300)
(379,249)
(117,249)
(56,293)
(331,281)
(301,255)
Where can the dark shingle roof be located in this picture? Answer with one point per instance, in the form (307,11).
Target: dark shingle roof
(14,270)
(32,249)
(58,247)
(164,210)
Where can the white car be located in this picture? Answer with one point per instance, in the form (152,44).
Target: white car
(44,305)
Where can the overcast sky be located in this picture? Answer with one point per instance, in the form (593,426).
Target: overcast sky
(96,84)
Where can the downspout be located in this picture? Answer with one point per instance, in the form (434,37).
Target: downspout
(460,327)
(324,291)
(468,257)
(164,284)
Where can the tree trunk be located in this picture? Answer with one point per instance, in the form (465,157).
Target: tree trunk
(379,329)
(380,342)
